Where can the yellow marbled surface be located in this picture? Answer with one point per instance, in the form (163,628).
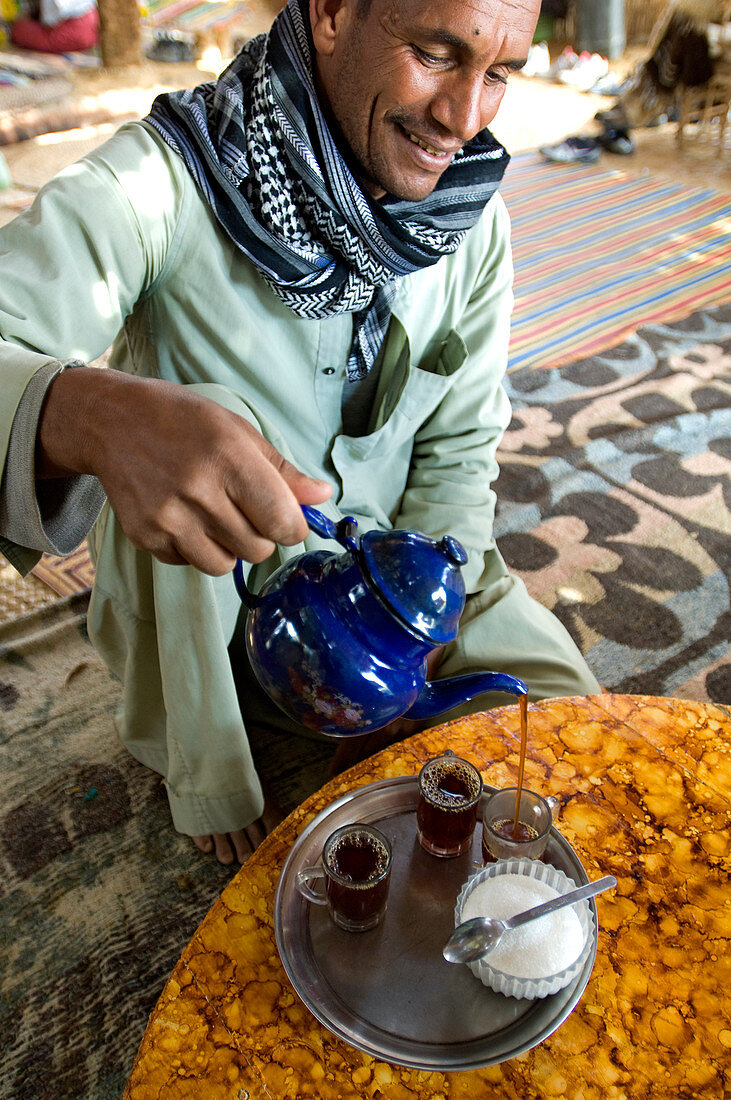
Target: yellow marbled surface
(645,793)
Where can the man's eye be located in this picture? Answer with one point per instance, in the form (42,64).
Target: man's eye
(495,76)
(429,58)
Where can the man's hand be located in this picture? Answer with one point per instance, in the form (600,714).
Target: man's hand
(188,480)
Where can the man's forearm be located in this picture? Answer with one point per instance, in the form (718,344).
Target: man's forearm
(66,422)
(188,480)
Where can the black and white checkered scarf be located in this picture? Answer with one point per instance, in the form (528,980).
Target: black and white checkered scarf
(259,148)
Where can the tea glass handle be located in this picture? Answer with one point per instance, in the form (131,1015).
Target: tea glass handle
(554,805)
(303,884)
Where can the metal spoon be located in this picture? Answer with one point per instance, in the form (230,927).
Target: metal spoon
(477,937)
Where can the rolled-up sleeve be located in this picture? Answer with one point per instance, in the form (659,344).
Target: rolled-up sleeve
(53,515)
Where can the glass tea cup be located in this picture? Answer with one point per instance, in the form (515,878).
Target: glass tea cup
(356,868)
(449,799)
(536,815)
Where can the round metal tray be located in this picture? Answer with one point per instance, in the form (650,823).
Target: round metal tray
(389,991)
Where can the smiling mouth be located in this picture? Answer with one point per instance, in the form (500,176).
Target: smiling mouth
(434,152)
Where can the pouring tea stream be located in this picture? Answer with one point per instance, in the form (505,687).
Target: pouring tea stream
(339,641)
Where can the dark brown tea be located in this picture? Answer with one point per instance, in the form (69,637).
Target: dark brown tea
(446,814)
(506,829)
(358,872)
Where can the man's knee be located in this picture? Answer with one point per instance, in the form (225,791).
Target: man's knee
(515,634)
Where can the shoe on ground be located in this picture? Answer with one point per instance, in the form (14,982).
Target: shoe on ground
(589,68)
(573,150)
(606,85)
(612,119)
(616,141)
(566,61)
(539,60)
(173,46)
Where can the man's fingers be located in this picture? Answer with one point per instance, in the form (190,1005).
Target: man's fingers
(307,490)
(199,483)
(204,553)
(235,536)
(211,539)
(269,492)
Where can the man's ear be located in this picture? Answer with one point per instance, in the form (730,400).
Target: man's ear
(327,18)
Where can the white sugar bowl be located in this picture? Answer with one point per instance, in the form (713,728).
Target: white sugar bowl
(542,956)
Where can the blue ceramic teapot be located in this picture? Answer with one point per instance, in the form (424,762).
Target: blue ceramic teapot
(339,640)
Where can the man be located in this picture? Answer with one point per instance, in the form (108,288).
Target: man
(310,270)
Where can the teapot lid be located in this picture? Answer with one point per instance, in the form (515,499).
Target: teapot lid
(420,580)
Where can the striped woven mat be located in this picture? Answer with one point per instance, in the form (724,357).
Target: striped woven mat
(598,253)
(200,16)
(194,15)
(74,573)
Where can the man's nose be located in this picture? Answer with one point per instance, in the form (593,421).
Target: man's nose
(466,104)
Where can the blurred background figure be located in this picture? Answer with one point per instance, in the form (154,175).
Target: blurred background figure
(685,49)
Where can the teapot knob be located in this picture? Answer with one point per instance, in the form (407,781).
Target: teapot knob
(453,549)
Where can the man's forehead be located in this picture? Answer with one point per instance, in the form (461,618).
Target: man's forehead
(473,16)
(502,10)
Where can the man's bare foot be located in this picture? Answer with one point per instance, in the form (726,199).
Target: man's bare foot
(227,846)
(238,845)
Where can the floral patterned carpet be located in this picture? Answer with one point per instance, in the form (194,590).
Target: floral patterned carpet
(613,506)
(98,894)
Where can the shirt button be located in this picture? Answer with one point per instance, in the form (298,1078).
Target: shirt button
(329,370)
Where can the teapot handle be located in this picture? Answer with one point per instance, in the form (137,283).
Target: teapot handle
(344,532)
(247,597)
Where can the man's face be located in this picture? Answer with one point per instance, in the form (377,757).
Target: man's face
(409,82)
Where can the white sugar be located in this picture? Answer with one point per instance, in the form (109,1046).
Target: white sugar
(534,950)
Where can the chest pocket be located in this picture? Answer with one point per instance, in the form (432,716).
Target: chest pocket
(374,468)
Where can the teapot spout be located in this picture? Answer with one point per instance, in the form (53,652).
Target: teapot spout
(438,696)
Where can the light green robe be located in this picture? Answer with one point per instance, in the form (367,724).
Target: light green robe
(121,243)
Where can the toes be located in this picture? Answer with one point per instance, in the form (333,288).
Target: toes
(228,846)
(255,834)
(272,814)
(203,843)
(241,845)
(224,851)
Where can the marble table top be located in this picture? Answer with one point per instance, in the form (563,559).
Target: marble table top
(645,787)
